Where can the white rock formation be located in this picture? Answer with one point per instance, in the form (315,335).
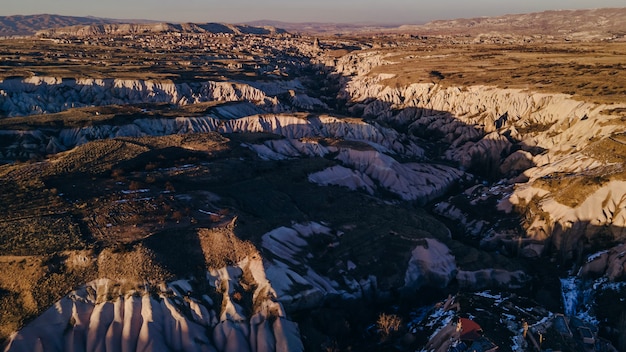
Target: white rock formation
(342,176)
(291,126)
(411,181)
(297,285)
(483,124)
(176,320)
(38,95)
(602,211)
(431,264)
(610,263)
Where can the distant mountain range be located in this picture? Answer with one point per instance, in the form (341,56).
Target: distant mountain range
(29,25)
(594,23)
(134,28)
(322,27)
(53,25)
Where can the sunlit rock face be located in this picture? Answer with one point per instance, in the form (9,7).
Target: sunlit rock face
(37,95)
(104,316)
(514,136)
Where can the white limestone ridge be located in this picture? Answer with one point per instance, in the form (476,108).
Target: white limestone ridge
(39,95)
(411,181)
(291,126)
(465,114)
(602,211)
(489,125)
(100,317)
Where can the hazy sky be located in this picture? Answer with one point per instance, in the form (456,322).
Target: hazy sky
(388,11)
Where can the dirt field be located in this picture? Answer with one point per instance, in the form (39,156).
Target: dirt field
(589,71)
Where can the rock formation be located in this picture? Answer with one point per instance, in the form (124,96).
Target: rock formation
(104,316)
(38,95)
(498,133)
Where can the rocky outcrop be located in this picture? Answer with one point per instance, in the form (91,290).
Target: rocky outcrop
(343,176)
(291,126)
(609,263)
(431,264)
(102,316)
(367,166)
(598,221)
(297,284)
(39,95)
(516,136)
(420,182)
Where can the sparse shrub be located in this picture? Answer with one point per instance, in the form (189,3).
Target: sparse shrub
(436,75)
(117,174)
(221,247)
(388,324)
(177,216)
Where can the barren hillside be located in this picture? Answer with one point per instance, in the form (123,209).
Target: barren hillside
(29,25)
(570,24)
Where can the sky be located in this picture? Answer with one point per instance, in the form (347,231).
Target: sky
(338,11)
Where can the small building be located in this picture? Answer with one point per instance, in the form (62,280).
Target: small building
(472,335)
